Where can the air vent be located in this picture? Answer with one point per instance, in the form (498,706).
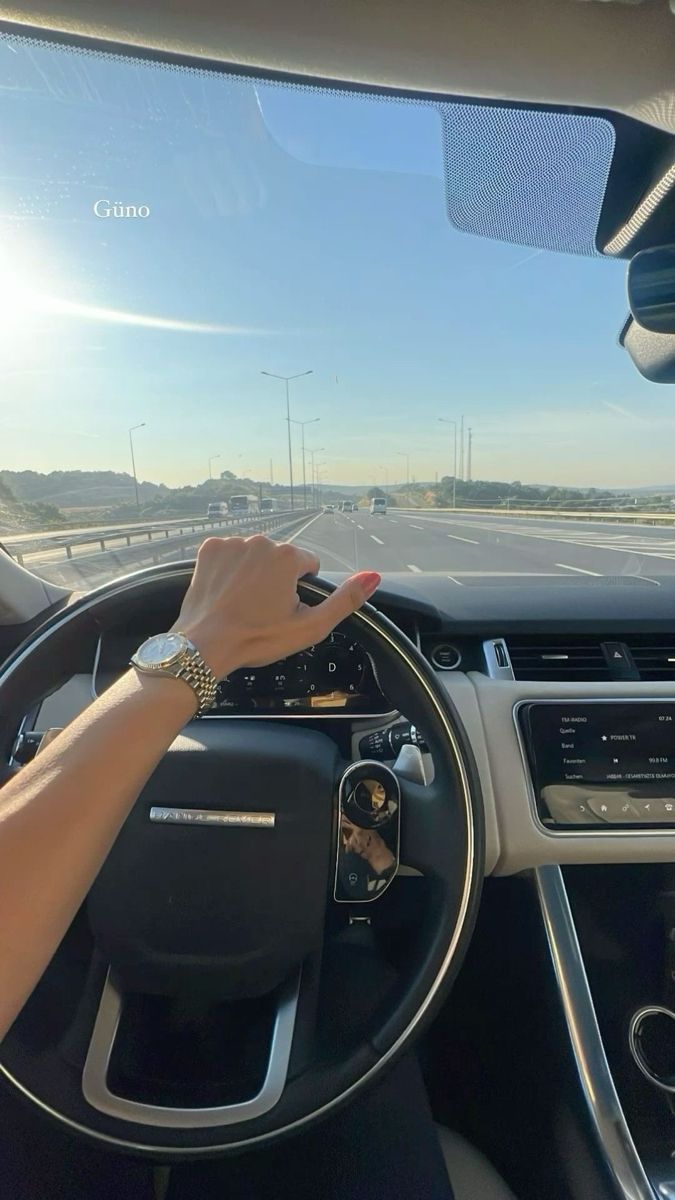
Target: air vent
(578,661)
(654,656)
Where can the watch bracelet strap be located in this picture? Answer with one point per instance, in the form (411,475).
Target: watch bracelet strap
(200,678)
(193,671)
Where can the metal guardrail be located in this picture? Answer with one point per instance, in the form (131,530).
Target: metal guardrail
(622,515)
(90,569)
(24,546)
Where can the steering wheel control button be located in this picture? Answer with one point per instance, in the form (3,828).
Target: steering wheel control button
(368,832)
(386,743)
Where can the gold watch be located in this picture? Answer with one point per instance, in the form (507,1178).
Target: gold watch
(174,655)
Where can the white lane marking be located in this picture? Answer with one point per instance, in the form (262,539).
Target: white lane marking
(303,528)
(455,581)
(455,537)
(421,529)
(412,567)
(393,521)
(581,570)
(603,544)
(360,526)
(512,574)
(377,539)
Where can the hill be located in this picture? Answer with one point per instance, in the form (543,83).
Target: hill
(16,516)
(77,489)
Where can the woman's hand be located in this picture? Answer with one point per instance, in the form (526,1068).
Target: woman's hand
(242,607)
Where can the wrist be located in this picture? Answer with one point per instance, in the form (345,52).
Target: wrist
(176,656)
(168,695)
(215,651)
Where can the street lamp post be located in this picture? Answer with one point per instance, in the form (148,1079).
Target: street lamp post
(132,430)
(384,468)
(211,459)
(287,379)
(320,476)
(406,456)
(311,421)
(316,450)
(449,421)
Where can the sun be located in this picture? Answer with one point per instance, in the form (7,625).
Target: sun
(20,290)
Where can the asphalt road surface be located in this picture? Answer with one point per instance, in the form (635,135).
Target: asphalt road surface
(470,549)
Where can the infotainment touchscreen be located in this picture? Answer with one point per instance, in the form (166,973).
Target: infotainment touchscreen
(602,763)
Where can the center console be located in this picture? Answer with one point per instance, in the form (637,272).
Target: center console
(612,934)
(600,763)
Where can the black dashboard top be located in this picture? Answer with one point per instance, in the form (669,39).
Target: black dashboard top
(623,603)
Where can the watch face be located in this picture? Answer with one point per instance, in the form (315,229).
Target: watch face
(162,649)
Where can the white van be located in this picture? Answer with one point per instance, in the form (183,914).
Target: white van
(378,505)
(216,510)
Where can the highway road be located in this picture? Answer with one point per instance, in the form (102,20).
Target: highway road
(473,549)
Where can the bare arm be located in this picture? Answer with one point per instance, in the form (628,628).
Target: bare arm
(61,814)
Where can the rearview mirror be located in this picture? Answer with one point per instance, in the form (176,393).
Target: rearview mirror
(651,289)
(652,353)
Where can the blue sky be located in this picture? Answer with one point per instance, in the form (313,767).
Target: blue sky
(288,231)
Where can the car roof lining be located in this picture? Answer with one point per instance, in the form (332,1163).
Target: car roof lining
(643,155)
(582,52)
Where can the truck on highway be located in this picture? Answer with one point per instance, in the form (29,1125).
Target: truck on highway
(216,510)
(241,505)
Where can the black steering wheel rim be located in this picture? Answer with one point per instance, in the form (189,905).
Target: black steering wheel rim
(430,707)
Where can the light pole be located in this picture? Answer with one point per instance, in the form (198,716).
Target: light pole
(316,450)
(287,379)
(449,421)
(406,456)
(212,459)
(311,421)
(133,462)
(320,476)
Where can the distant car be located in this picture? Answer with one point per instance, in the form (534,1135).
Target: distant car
(378,506)
(216,510)
(346,506)
(329,508)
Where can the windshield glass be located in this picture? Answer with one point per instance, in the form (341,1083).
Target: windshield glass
(232,304)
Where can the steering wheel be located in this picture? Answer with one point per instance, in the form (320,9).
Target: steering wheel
(229,910)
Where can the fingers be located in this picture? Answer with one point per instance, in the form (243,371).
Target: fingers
(306,563)
(216,553)
(342,602)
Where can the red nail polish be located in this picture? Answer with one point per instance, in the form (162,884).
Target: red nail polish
(369,580)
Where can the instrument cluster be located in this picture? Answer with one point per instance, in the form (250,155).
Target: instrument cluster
(334,675)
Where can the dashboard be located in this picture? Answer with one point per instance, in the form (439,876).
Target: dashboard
(497,650)
(332,678)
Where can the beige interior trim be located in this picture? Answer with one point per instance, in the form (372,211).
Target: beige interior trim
(523,842)
(598,54)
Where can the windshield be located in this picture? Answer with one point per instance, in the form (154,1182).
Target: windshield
(233,304)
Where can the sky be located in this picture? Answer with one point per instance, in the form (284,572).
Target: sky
(288,230)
